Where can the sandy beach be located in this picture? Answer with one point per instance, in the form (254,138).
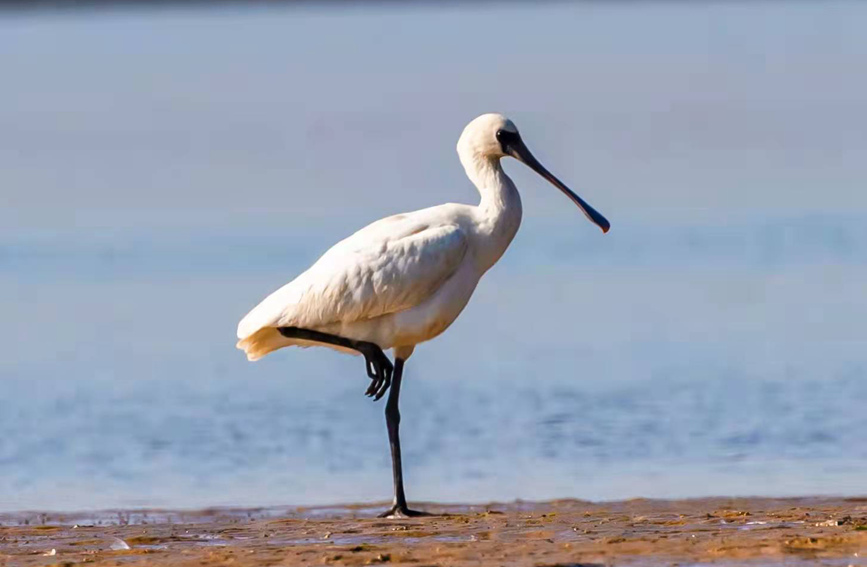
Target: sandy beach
(755,531)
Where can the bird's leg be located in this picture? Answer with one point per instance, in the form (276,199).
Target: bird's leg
(377,364)
(392,420)
(383,375)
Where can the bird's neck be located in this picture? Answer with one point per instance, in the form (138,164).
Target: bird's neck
(499,210)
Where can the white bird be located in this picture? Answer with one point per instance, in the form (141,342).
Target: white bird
(404,279)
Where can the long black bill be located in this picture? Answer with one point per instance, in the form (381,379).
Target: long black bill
(520,152)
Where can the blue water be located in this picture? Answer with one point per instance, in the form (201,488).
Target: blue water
(718,373)
(714,343)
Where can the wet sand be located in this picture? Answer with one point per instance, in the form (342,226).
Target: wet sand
(735,531)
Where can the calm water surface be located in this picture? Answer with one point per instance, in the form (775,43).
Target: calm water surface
(590,378)
(713,343)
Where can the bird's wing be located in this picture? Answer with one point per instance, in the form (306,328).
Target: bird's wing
(379,270)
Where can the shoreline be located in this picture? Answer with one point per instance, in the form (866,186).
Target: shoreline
(766,531)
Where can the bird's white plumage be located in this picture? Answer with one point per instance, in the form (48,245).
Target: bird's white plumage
(389,266)
(404,279)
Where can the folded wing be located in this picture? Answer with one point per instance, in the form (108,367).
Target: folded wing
(370,274)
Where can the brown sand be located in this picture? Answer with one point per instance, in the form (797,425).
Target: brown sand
(754,531)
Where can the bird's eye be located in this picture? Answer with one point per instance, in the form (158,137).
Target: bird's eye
(507,139)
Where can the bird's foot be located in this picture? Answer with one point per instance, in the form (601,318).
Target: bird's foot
(379,369)
(396,512)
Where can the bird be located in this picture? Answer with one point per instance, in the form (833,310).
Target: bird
(404,279)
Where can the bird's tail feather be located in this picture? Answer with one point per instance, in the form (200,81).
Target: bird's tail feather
(263,341)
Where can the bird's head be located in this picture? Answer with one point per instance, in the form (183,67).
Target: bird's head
(493,136)
(482,136)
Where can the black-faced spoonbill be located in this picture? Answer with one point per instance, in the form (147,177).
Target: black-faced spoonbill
(404,279)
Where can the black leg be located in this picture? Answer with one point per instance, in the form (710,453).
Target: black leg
(392,420)
(379,367)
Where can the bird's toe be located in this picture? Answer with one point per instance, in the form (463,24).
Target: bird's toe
(374,387)
(386,383)
(398,512)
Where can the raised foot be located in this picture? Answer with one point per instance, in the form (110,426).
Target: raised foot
(403,512)
(379,369)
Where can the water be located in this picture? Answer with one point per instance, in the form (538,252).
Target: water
(591,380)
(712,343)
